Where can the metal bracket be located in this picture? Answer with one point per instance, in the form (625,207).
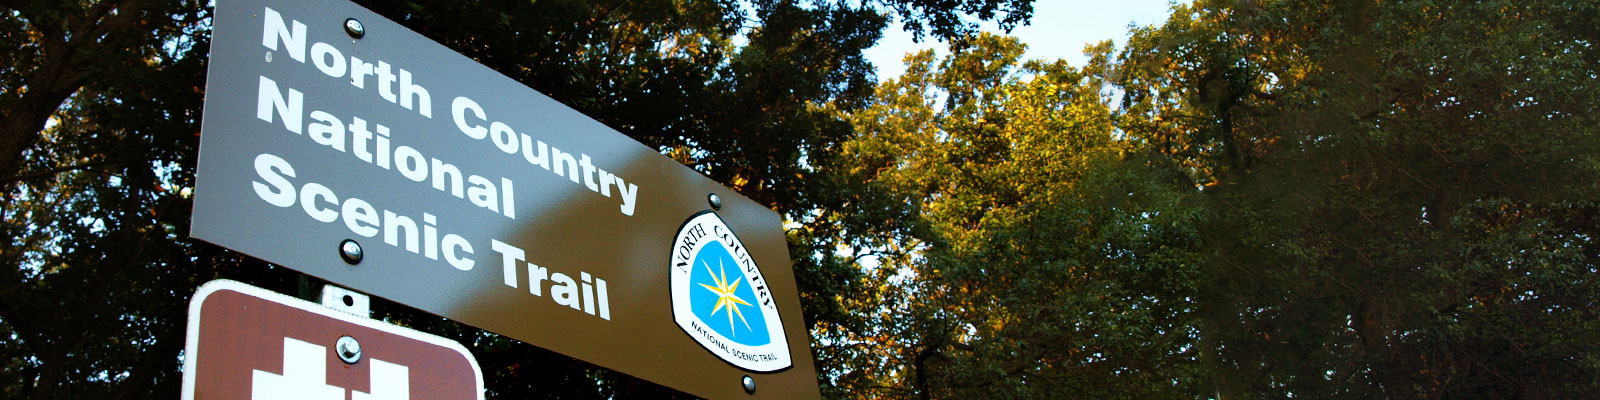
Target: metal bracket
(346,300)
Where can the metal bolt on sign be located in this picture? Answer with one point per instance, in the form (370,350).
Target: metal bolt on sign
(349,349)
(350,251)
(749,385)
(354,28)
(716,201)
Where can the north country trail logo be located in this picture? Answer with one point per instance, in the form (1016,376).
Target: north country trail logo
(721,300)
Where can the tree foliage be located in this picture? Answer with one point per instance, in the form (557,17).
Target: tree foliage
(1400,195)
(1271,198)
(1321,199)
(1025,256)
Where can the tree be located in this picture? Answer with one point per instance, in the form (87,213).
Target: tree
(1024,253)
(1399,195)
(91,213)
(1292,199)
(55,48)
(102,99)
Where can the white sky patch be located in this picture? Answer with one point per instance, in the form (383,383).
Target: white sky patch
(1059,30)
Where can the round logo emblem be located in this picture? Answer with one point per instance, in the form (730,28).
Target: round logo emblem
(721,300)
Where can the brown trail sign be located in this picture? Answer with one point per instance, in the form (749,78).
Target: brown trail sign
(347,147)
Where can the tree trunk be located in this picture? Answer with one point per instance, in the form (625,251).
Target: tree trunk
(98,36)
(25,117)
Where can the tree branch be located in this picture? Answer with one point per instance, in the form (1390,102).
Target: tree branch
(14,4)
(53,171)
(64,67)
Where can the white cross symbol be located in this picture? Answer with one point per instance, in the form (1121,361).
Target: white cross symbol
(305,373)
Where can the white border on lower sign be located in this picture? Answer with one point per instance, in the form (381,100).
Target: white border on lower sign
(192,335)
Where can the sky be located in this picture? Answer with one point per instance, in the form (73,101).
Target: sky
(1059,30)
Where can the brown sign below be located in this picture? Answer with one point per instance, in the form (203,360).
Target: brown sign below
(246,342)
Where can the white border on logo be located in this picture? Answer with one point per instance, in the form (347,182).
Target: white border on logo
(771,357)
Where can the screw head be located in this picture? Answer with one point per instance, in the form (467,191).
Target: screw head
(749,384)
(354,28)
(349,349)
(350,251)
(716,201)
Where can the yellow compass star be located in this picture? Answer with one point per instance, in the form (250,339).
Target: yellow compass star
(725,295)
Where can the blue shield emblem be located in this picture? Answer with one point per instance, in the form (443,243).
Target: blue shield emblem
(723,298)
(720,299)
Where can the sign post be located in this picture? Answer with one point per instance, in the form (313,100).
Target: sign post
(342,145)
(246,342)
